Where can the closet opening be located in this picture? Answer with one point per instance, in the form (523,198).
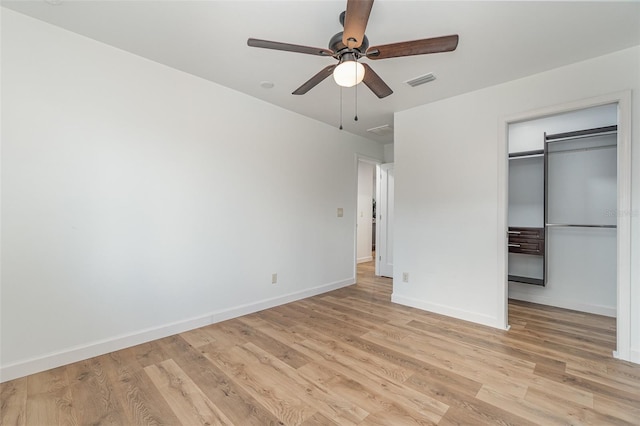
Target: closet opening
(567,187)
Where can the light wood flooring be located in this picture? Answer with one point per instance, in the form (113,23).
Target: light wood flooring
(347,357)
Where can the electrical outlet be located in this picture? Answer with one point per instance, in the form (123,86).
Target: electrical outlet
(274,278)
(405,277)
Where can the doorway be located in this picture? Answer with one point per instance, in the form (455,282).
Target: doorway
(366,204)
(384,220)
(374,215)
(622,104)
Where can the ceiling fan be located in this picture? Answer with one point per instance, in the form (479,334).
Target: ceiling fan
(352,44)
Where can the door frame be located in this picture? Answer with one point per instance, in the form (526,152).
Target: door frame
(375,162)
(623,267)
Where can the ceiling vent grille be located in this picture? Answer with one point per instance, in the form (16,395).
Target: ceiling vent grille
(421,80)
(381,130)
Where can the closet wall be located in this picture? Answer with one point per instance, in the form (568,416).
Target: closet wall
(526,210)
(581,188)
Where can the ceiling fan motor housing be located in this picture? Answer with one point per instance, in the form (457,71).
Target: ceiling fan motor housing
(337,46)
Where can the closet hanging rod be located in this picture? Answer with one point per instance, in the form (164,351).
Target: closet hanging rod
(599,131)
(526,154)
(568,225)
(570,138)
(520,157)
(590,148)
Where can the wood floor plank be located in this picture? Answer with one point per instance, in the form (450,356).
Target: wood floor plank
(348,312)
(92,394)
(429,351)
(217,384)
(319,419)
(383,410)
(460,396)
(498,351)
(329,323)
(521,407)
(575,413)
(145,354)
(13,402)
(198,337)
(374,365)
(395,416)
(353,318)
(317,396)
(428,407)
(493,340)
(606,378)
(186,400)
(281,397)
(480,413)
(142,401)
(347,357)
(50,399)
(630,398)
(387,310)
(601,338)
(563,316)
(628,413)
(282,351)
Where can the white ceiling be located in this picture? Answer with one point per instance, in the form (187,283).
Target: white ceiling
(499,41)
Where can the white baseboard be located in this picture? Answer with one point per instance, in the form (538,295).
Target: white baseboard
(566,304)
(364,259)
(633,356)
(101,347)
(448,311)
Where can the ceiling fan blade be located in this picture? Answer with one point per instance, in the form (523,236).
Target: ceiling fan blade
(375,83)
(266,44)
(355,22)
(315,80)
(415,47)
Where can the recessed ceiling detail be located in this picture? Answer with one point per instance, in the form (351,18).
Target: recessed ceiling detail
(384,130)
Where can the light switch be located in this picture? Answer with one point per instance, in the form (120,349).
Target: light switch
(340,212)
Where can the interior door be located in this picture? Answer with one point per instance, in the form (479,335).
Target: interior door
(384,221)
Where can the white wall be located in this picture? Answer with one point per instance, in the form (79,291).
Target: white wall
(139,201)
(446,157)
(365,211)
(388,153)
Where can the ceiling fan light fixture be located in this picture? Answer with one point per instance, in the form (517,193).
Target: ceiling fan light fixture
(349,71)
(351,44)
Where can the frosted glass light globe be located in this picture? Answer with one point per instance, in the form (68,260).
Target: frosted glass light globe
(348,73)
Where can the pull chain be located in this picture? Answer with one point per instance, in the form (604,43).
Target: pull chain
(356,75)
(340,107)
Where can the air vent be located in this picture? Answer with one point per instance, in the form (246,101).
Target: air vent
(421,80)
(381,130)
